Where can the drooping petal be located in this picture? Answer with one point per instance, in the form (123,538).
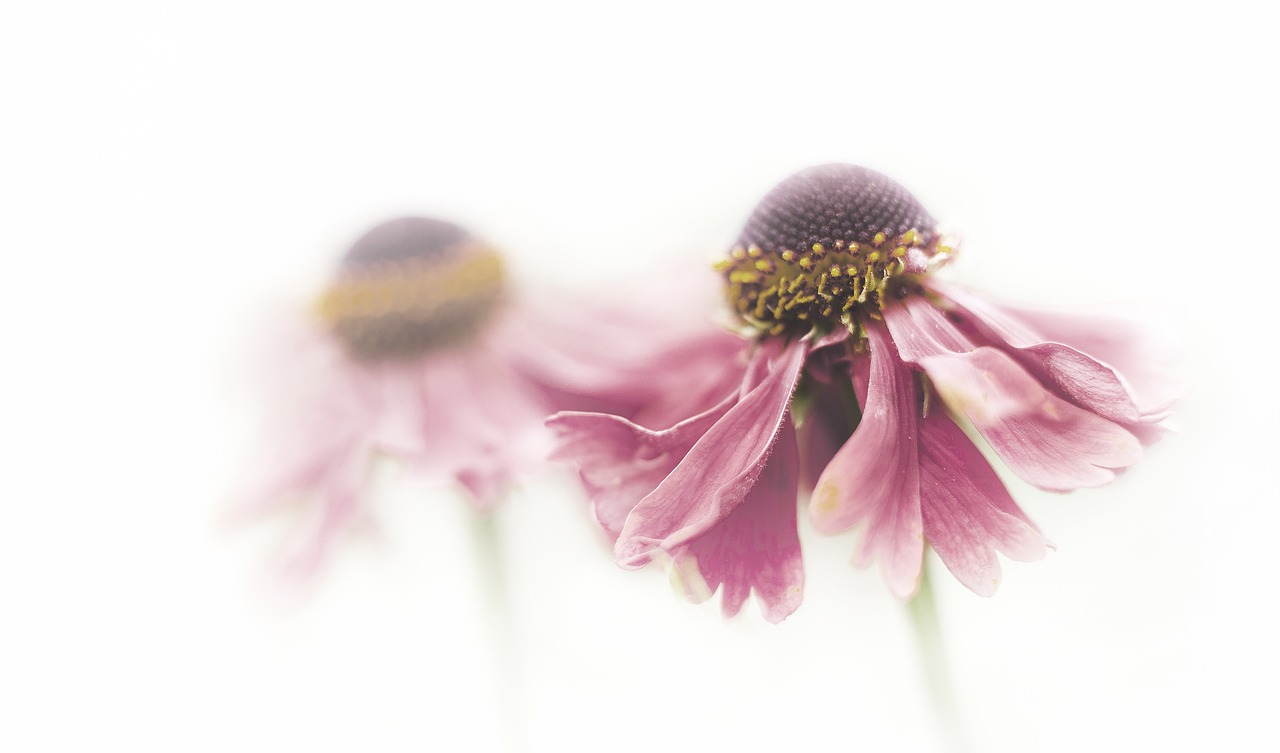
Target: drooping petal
(968,514)
(622,356)
(1137,348)
(333,507)
(875,478)
(322,407)
(480,421)
(1076,375)
(720,469)
(619,461)
(1044,439)
(757,546)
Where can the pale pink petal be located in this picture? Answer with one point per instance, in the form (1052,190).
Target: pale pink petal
(874,478)
(480,421)
(757,545)
(619,356)
(619,461)
(714,478)
(968,514)
(1044,439)
(320,406)
(334,506)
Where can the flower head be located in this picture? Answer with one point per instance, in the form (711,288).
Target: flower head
(418,351)
(855,371)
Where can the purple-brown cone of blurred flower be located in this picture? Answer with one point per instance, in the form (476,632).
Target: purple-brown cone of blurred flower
(854,373)
(420,351)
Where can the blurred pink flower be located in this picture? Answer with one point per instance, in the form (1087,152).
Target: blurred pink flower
(844,328)
(419,352)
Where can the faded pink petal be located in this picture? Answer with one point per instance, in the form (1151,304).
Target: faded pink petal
(620,462)
(620,357)
(480,422)
(720,469)
(875,477)
(968,514)
(334,506)
(757,545)
(1044,439)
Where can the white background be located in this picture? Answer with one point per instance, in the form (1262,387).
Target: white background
(171,172)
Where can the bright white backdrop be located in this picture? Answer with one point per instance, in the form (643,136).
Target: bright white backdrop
(171,172)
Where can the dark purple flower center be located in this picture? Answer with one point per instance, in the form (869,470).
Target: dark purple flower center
(824,243)
(409,286)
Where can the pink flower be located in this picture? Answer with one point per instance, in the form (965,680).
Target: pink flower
(845,327)
(418,351)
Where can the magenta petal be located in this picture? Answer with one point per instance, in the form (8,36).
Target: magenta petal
(874,478)
(621,462)
(720,469)
(1044,439)
(757,545)
(968,514)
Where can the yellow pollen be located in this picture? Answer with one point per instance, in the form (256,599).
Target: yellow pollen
(838,283)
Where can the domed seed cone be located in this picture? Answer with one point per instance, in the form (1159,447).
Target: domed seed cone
(409,286)
(823,244)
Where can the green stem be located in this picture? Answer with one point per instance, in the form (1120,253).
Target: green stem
(924,613)
(491,577)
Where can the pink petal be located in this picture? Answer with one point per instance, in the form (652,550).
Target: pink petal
(1044,439)
(1078,377)
(757,545)
(720,469)
(619,461)
(968,514)
(874,478)
(1109,365)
